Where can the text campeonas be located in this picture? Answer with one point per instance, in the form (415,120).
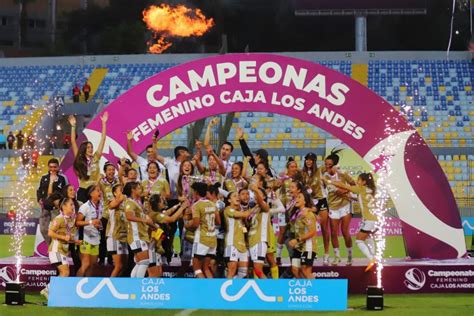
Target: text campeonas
(247,72)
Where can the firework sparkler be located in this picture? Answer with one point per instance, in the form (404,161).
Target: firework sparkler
(23,187)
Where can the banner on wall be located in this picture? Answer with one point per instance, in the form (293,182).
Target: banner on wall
(308,92)
(6,226)
(237,294)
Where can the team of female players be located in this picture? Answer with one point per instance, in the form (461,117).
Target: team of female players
(233,218)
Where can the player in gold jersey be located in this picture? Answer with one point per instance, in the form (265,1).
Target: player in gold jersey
(236,181)
(365,189)
(304,242)
(185,180)
(86,162)
(260,230)
(205,218)
(317,189)
(62,231)
(116,231)
(171,215)
(155,184)
(339,206)
(287,198)
(236,248)
(137,228)
(212,172)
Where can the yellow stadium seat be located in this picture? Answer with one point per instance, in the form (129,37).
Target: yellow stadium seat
(450,176)
(431,119)
(449,98)
(457,170)
(468,88)
(8,103)
(427,79)
(259,136)
(462,141)
(403,88)
(452,118)
(446,124)
(267,130)
(454,134)
(463,157)
(467,129)
(442,88)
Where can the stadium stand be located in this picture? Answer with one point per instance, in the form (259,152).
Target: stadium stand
(435,95)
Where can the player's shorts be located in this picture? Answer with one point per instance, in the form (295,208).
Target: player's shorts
(295,258)
(139,246)
(341,212)
(281,219)
(115,247)
(89,249)
(234,255)
(201,250)
(57,258)
(307,258)
(367,226)
(186,250)
(154,257)
(258,252)
(271,243)
(322,205)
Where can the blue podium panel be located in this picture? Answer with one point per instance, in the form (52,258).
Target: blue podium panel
(237,294)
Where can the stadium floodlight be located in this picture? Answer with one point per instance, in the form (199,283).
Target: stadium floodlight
(15,293)
(374,298)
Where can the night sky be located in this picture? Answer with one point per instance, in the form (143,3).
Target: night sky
(271,25)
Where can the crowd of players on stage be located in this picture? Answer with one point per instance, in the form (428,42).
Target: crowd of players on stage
(233,218)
